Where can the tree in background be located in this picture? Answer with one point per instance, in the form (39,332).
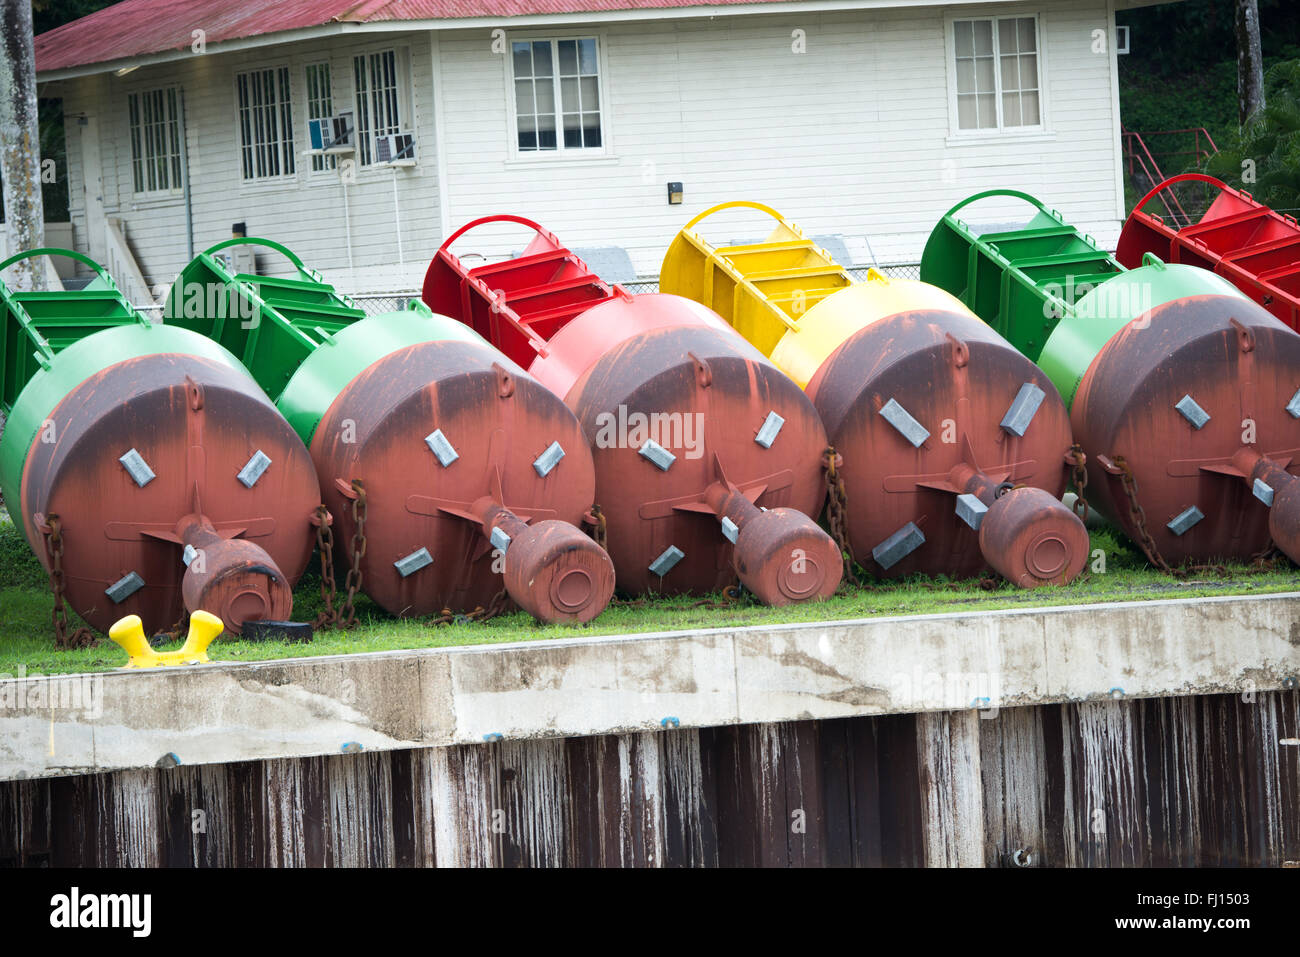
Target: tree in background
(1250,61)
(20,160)
(1264,157)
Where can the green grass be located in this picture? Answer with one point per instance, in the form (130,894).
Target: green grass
(26,640)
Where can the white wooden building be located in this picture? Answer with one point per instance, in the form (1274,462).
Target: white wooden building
(865,120)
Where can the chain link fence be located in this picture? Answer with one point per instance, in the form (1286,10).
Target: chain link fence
(377,303)
(859,273)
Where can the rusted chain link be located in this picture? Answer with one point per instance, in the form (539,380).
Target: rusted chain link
(731,596)
(1079,477)
(1147,543)
(180,628)
(837,510)
(1267,558)
(52,532)
(499,605)
(347,615)
(324,522)
(1138,516)
(595,526)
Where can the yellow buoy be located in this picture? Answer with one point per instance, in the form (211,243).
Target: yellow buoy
(786,295)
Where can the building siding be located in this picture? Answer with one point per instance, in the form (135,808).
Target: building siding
(851,137)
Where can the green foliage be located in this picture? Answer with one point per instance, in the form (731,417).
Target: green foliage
(1180,40)
(19,566)
(1152,101)
(48,14)
(26,640)
(1267,149)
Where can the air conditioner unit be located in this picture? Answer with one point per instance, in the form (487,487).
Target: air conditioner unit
(395,149)
(241,260)
(332,135)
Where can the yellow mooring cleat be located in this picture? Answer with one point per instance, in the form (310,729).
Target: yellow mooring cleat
(129,633)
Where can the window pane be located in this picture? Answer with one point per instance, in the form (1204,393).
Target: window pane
(984,75)
(965,76)
(1010,73)
(1029,72)
(527,133)
(591,129)
(569,96)
(966,119)
(587,56)
(572,131)
(546,132)
(1006,36)
(524,103)
(542,59)
(987,110)
(965,43)
(590,93)
(1028,38)
(568,57)
(545,97)
(983,37)
(1029,109)
(1011,109)
(523,60)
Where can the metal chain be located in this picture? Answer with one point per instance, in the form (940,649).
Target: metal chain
(329,617)
(347,615)
(1267,558)
(837,509)
(1079,476)
(596,527)
(181,627)
(731,595)
(1139,516)
(82,637)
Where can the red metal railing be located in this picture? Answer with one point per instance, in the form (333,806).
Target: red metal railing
(1139,156)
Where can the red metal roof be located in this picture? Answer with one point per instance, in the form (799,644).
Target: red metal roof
(139,27)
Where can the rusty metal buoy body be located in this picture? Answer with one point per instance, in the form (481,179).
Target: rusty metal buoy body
(1214,490)
(707,457)
(475,478)
(1183,393)
(976,489)
(951,446)
(151,467)
(453,478)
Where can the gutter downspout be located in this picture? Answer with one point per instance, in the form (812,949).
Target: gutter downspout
(185,177)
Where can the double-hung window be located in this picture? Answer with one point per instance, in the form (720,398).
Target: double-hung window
(265,123)
(996,69)
(379,101)
(155,129)
(320,105)
(557,95)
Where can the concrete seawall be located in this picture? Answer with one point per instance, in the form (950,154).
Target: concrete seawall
(229,712)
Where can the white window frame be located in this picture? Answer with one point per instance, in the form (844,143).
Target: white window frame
(999,132)
(290,153)
(319,164)
(561,153)
(172,189)
(405,104)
